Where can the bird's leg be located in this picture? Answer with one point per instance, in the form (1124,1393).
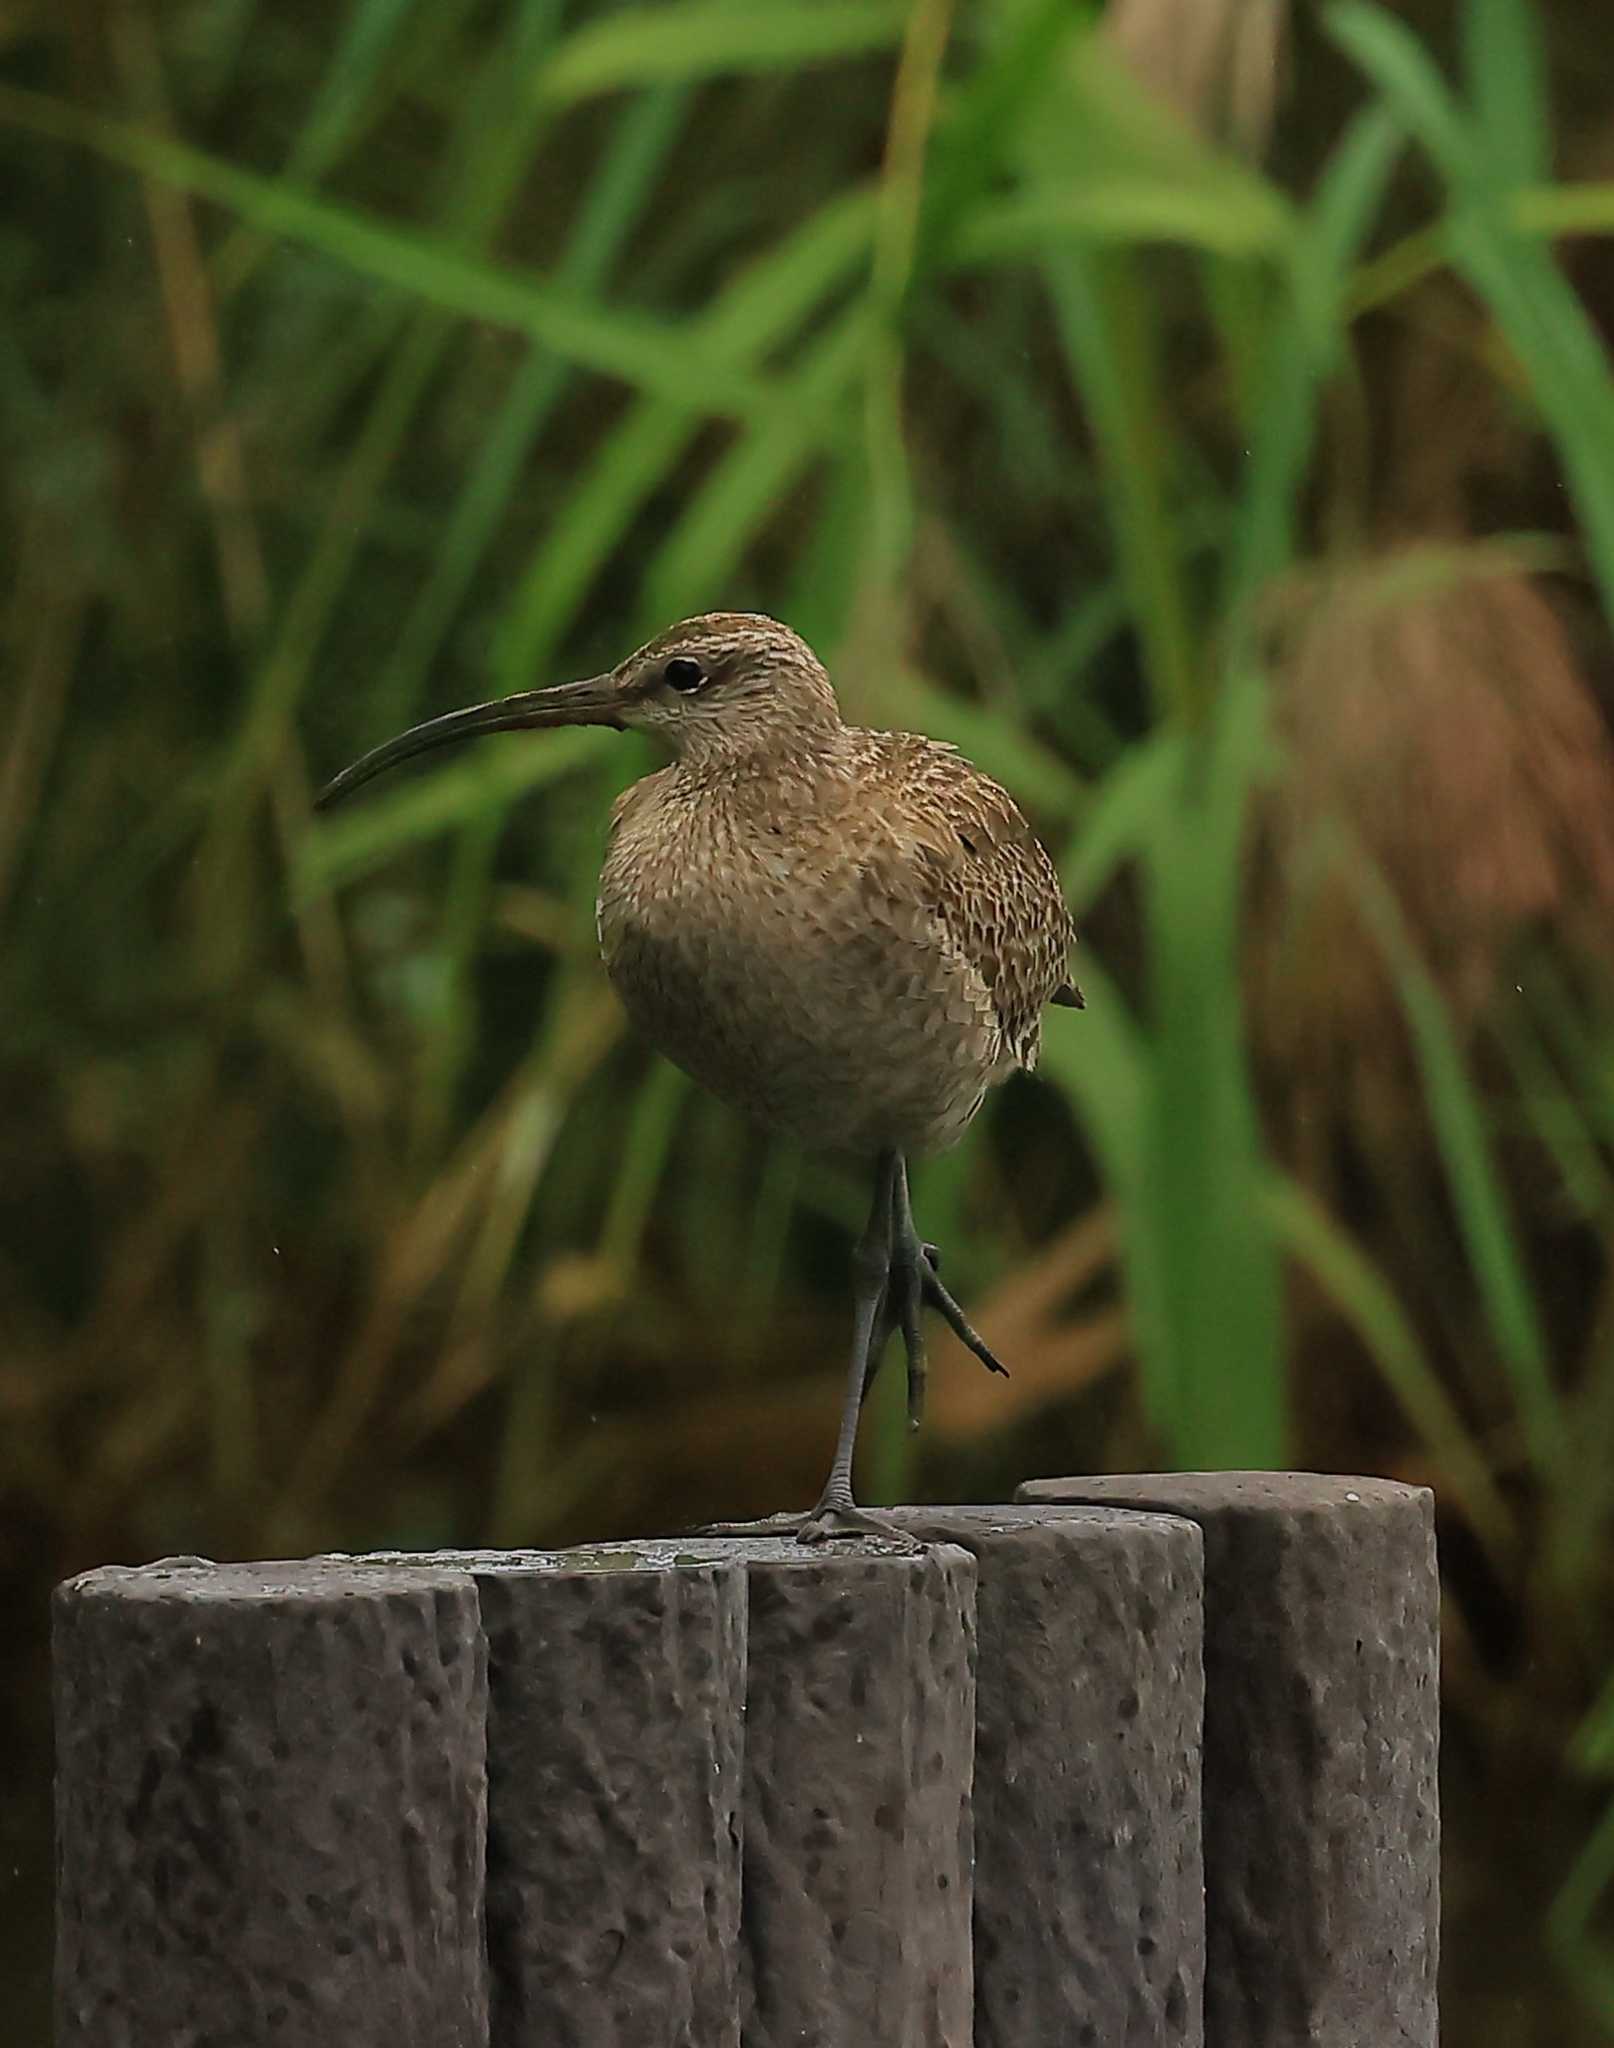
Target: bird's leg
(905,1291)
(885,1323)
(907,1249)
(837,1512)
(896,1276)
(900,1309)
(873,1320)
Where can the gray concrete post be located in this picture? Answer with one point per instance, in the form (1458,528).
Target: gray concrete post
(1322,1836)
(616,1691)
(270,1807)
(1089,1887)
(860,1726)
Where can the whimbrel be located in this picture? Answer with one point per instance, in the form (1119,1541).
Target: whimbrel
(849,934)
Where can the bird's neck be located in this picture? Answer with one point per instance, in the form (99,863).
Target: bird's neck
(795,759)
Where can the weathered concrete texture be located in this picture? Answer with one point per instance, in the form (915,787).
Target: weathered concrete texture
(616,1702)
(860,1722)
(1089,1889)
(1322,1839)
(270,1808)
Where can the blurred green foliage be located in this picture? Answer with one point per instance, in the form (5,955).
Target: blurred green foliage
(1221,452)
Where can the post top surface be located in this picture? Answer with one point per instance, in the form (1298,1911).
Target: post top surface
(1193,1493)
(634,1555)
(340,1575)
(646,1554)
(843,1553)
(203,1579)
(1073,1518)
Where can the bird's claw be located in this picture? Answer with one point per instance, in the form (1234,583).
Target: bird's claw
(840,1521)
(962,1328)
(829,1522)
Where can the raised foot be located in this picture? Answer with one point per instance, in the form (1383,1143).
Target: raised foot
(938,1298)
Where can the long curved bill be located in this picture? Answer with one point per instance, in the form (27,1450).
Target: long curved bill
(597,701)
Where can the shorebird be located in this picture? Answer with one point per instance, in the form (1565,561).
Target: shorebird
(849,934)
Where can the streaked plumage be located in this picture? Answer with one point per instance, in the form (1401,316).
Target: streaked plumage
(851,942)
(850,934)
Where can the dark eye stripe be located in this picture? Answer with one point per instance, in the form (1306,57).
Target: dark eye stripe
(682,673)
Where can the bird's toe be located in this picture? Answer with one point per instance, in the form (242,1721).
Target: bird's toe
(833,1522)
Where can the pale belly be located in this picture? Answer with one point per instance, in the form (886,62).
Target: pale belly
(846,1039)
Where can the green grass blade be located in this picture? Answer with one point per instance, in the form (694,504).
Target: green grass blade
(987,114)
(649,354)
(1106,328)
(1304,347)
(346,88)
(1115,207)
(763,308)
(1106,1074)
(719,520)
(647,129)
(1105,130)
(1541,313)
(1361,1293)
(1103,1068)
(356,841)
(1220,1273)
(1471,1173)
(686,40)
(657,1107)
(1574,1925)
(1507,88)
(474,189)
(1586,208)
(1349,195)
(1123,815)
(1391,55)
(1171,1112)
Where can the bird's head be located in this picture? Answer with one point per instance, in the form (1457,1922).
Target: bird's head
(726,686)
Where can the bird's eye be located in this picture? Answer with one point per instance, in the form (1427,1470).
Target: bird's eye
(683,674)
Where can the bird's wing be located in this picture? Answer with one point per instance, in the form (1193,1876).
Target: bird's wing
(987,877)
